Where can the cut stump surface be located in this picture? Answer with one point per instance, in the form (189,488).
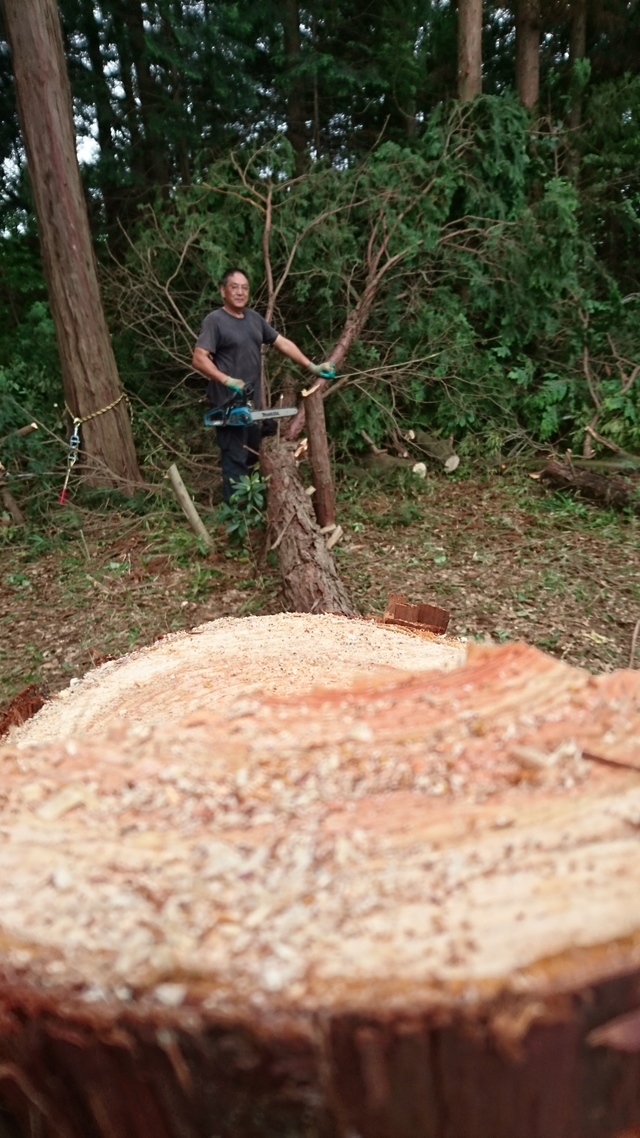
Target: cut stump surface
(403,909)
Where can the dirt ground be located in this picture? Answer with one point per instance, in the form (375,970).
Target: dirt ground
(508,559)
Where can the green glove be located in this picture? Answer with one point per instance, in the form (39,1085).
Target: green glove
(326,370)
(236,385)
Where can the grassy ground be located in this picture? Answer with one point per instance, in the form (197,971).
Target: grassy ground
(508,559)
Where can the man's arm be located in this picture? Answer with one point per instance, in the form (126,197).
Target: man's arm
(201,361)
(288,348)
(292,351)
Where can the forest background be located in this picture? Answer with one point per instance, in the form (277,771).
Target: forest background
(461,181)
(507,234)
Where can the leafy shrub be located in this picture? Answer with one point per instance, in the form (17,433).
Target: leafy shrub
(245,509)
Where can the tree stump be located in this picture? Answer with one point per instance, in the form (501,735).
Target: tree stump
(405,909)
(310,579)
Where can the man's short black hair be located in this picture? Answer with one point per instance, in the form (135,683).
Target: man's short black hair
(229,273)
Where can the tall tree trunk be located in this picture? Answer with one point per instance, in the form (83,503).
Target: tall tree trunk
(104,116)
(469,49)
(131,109)
(149,93)
(89,372)
(528,25)
(577,51)
(296,124)
(316,92)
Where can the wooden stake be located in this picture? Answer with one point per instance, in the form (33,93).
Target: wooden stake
(186,502)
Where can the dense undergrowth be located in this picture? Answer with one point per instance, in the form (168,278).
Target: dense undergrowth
(497,251)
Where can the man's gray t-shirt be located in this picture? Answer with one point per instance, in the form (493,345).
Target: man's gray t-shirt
(234,344)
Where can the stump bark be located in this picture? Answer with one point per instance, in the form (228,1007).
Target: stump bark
(310,579)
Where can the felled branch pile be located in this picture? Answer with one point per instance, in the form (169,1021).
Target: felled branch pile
(403,910)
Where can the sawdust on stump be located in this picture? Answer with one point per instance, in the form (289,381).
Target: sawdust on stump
(226,661)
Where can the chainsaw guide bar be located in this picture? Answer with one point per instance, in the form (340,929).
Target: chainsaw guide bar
(243,415)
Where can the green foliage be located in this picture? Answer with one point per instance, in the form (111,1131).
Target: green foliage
(30,384)
(490,293)
(245,509)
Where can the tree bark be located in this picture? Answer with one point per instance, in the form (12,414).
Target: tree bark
(310,579)
(319,459)
(89,374)
(528,26)
(469,49)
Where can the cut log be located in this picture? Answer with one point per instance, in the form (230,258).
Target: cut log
(345,912)
(620,493)
(442,450)
(384,463)
(310,579)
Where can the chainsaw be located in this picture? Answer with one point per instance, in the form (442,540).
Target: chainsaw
(240,412)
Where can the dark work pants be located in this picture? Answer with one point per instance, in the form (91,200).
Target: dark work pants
(239,448)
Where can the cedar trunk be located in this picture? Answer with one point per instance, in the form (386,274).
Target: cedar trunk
(469,49)
(310,579)
(89,374)
(528,25)
(296,110)
(320,460)
(577,51)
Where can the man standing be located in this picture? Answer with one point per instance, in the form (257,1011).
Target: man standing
(228,354)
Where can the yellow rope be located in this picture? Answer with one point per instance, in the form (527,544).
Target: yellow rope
(77,421)
(74,441)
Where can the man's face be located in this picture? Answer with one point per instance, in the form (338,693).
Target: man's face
(235,293)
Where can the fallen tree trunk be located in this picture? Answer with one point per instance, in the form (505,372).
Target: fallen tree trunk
(603,465)
(383,463)
(406,909)
(310,579)
(606,490)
